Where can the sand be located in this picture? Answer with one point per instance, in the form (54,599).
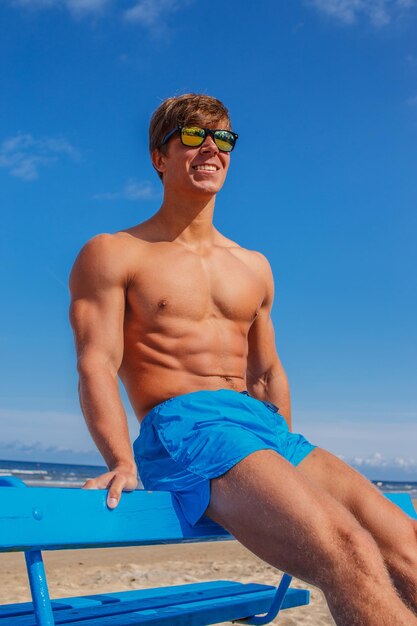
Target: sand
(81,572)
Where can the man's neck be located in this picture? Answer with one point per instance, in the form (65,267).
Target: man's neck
(187,221)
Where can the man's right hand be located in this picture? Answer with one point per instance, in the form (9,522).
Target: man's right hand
(117,480)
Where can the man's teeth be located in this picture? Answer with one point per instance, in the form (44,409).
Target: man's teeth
(209,168)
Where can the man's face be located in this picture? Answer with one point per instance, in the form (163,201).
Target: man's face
(200,170)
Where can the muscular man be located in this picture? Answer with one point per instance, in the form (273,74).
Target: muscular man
(182,314)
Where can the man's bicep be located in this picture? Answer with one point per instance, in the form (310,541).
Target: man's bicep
(97,305)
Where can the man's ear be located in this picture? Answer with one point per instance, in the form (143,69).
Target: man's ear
(158,160)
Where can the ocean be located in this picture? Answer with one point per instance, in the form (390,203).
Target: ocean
(74,476)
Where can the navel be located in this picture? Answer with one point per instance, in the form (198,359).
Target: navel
(233,381)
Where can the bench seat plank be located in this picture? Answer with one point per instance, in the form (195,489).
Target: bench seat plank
(164,605)
(73,602)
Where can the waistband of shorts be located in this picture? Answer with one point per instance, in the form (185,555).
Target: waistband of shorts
(148,417)
(147,420)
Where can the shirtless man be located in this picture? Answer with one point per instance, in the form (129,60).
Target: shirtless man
(182,314)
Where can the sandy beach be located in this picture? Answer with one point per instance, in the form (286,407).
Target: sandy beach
(81,572)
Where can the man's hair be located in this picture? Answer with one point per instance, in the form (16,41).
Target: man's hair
(188,109)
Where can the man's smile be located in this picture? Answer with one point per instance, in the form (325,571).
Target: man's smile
(206,168)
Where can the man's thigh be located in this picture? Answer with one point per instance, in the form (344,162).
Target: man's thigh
(394,532)
(281,515)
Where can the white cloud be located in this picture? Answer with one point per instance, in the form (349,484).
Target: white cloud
(132,190)
(411,59)
(23,155)
(34,4)
(149,12)
(412,101)
(379,460)
(379,12)
(85,6)
(76,7)
(380,467)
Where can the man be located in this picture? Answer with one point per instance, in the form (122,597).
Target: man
(182,315)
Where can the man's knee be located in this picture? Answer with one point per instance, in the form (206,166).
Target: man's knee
(352,552)
(354,539)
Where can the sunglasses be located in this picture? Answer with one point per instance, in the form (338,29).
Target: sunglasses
(194,136)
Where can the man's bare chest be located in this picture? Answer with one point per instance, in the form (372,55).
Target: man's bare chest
(178,283)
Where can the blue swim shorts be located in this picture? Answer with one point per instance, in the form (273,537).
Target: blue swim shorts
(189,439)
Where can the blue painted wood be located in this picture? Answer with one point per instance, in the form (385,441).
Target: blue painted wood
(197,614)
(276,605)
(11,481)
(39,588)
(53,518)
(164,603)
(25,608)
(294,597)
(404,501)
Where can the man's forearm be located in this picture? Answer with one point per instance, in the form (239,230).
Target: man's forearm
(278,392)
(105,416)
(273,387)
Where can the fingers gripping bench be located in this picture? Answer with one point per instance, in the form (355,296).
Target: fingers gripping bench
(33,519)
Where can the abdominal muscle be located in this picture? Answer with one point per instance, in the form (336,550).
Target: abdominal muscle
(183,357)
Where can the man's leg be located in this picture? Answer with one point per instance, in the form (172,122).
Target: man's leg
(288,521)
(394,532)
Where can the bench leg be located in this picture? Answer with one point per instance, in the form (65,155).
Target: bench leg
(39,588)
(259,620)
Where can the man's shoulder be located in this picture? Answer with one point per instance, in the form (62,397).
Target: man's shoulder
(106,257)
(258,264)
(115,247)
(106,242)
(237,248)
(254,258)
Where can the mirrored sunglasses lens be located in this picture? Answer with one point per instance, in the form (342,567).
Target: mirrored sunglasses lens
(192,136)
(224,140)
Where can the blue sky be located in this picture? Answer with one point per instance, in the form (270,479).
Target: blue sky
(323,94)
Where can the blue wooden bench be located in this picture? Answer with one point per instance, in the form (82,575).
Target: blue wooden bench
(35,519)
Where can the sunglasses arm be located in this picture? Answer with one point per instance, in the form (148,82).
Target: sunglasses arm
(169,135)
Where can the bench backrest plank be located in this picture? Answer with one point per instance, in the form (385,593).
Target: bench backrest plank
(403,500)
(57,518)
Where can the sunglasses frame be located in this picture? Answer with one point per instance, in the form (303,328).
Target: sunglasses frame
(207,131)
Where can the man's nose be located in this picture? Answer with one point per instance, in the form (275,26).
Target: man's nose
(209,145)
